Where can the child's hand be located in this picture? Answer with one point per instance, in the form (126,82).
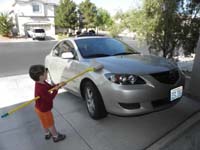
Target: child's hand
(57,87)
(62,84)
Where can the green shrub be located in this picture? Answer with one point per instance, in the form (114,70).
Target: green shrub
(5,24)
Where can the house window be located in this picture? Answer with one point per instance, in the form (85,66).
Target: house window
(36,8)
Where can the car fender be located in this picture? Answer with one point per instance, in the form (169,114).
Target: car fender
(96,78)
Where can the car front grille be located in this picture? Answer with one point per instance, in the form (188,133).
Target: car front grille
(168,77)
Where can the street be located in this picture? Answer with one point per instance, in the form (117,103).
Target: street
(16,57)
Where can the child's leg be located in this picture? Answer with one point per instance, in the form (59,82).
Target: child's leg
(47,133)
(56,136)
(53,131)
(46,130)
(47,121)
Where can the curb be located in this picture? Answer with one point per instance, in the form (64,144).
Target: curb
(18,41)
(176,133)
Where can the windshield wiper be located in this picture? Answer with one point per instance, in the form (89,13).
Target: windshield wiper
(97,55)
(123,53)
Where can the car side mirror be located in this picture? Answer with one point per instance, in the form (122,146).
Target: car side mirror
(56,52)
(67,55)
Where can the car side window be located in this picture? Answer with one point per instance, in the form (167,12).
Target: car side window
(67,46)
(57,50)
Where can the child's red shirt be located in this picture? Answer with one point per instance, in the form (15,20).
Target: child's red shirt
(45,102)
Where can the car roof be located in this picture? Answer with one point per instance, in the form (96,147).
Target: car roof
(86,37)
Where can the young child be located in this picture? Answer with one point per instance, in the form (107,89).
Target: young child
(44,104)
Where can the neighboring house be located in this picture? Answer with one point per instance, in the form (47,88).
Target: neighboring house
(28,14)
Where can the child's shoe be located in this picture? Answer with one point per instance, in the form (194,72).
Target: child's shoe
(47,136)
(60,137)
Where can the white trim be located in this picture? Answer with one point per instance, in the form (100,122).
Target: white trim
(37,23)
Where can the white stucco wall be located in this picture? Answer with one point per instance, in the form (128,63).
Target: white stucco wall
(29,19)
(28,22)
(50,10)
(26,9)
(52,30)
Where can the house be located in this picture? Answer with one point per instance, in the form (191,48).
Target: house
(28,14)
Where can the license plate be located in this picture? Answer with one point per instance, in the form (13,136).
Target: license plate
(176,93)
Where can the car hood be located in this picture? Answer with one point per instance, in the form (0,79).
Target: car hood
(135,64)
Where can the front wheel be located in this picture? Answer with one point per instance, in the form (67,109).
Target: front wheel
(94,102)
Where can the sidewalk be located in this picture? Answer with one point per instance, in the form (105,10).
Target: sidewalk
(15,39)
(23,39)
(22,129)
(16,89)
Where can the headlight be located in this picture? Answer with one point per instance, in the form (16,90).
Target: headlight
(124,79)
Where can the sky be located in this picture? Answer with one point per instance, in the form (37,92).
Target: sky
(112,6)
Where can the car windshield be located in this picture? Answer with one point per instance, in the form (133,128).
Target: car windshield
(102,47)
(39,30)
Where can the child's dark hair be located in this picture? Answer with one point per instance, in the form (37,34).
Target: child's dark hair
(36,71)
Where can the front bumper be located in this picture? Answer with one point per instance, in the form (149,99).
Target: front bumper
(125,100)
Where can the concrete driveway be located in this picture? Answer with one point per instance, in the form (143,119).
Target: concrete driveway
(22,130)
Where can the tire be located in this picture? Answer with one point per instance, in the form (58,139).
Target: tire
(94,102)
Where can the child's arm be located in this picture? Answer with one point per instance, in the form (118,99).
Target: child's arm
(47,96)
(57,87)
(60,85)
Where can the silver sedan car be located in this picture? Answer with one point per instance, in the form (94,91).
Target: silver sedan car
(128,84)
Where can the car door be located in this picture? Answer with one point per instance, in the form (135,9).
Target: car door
(52,62)
(61,68)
